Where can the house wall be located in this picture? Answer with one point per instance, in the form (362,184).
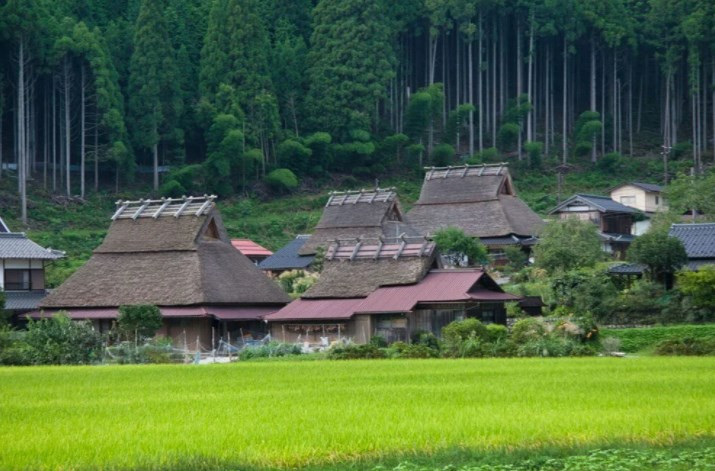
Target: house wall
(185,331)
(645,201)
(582,212)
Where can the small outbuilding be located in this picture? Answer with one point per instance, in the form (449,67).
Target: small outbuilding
(175,254)
(253,251)
(480,200)
(393,288)
(288,258)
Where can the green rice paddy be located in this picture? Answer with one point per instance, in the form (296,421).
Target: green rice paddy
(339,414)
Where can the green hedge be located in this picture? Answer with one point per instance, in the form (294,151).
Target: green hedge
(633,340)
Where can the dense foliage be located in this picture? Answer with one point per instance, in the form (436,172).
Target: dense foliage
(112,90)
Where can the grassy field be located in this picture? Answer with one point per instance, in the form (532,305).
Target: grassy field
(339,414)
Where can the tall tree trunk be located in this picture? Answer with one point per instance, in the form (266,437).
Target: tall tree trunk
(46,136)
(156,166)
(564,111)
(21,157)
(457,88)
(68,158)
(519,87)
(529,135)
(666,126)
(712,78)
(82,131)
(630,110)
(96,153)
(480,93)
(547,97)
(54,136)
(470,91)
(593,92)
(494,86)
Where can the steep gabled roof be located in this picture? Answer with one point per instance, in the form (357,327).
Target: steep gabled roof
(166,257)
(3,226)
(603,204)
(480,200)
(287,257)
(354,214)
(356,268)
(698,239)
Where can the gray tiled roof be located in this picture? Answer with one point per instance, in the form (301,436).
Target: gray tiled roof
(287,257)
(23,300)
(648,186)
(601,203)
(698,239)
(627,269)
(3,226)
(17,245)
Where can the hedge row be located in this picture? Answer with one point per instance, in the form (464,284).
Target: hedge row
(636,339)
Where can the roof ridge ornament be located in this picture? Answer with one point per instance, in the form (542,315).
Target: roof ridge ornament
(155,208)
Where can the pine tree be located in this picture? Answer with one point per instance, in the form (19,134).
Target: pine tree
(154,99)
(351,62)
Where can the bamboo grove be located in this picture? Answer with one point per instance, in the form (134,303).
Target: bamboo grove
(215,95)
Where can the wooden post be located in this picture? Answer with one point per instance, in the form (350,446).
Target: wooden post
(243,342)
(228,334)
(283,329)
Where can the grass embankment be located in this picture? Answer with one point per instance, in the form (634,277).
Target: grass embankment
(644,339)
(340,414)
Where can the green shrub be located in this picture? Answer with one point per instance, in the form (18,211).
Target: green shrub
(496,332)
(634,340)
(427,339)
(355,352)
(442,155)
(270,350)
(686,346)
(528,330)
(378,341)
(138,321)
(457,331)
(12,347)
(405,350)
(281,181)
(554,346)
(58,340)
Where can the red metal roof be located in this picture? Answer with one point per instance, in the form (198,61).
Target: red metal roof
(249,248)
(438,286)
(317,309)
(241,313)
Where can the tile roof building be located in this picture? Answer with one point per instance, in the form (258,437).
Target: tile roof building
(614,220)
(288,257)
(255,253)
(173,253)
(699,242)
(22,270)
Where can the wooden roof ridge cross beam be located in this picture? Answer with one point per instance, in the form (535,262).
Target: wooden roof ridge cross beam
(403,244)
(207,203)
(163,206)
(187,200)
(424,247)
(141,208)
(357,198)
(356,249)
(380,243)
(120,209)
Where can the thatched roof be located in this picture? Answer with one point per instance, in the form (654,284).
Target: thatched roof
(358,214)
(356,268)
(168,260)
(477,199)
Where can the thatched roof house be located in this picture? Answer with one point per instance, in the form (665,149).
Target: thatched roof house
(173,253)
(352,214)
(480,200)
(388,287)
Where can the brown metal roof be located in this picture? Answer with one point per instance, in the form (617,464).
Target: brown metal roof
(250,249)
(317,309)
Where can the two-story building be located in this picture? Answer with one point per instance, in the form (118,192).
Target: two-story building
(645,197)
(614,220)
(22,270)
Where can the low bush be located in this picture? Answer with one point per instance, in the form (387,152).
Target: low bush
(528,330)
(281,181)
(637,339)
(155,351)
(686,346)
(270,350)
(428,339)
(58,340)
(413,350)
(355,352)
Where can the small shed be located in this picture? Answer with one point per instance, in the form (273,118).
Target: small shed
(173,253)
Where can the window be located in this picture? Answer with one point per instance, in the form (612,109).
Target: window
(657,200)
(24,279)
(628,200)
